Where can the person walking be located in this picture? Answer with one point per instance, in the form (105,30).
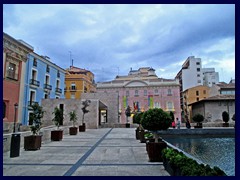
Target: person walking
(178,123)
(173,124)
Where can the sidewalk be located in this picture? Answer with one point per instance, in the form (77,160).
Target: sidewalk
(96,152)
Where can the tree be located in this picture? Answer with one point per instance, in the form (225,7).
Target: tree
(58,116)
(225,116)
(198,118)
(85,104)
(73,117)
(35,118)
(172,115)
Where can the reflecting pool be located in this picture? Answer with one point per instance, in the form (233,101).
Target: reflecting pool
(213,151)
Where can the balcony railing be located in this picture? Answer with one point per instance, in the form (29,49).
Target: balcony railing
(34,82)
(30,103)
(72,88)
(58,90)
(47,86)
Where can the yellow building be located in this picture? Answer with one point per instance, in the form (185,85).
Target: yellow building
(78,81)
(192,95)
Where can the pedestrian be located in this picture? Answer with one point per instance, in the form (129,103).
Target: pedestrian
(178,123)
(188,125)
(173,124)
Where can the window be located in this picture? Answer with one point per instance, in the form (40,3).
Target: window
(30,121)
(197,93)
(204,91)
(46,79)
(199,81)
(11,70)
(35,62)
(198,75)
(32,97)
(72,95)
(156,91)
(127,93)
(197,63)
(169,105)
(145,92)
(73,86)
(45,96)
(156,105)
(136,92)
(57,83)
(58,74)
(169,93)
(48,69)
(198,69)
(197,99)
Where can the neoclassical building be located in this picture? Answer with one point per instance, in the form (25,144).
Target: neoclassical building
(141,90)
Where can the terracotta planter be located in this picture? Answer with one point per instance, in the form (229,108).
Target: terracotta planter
(154,151)
(32,142)
(73,130)
(56,135)
(82,128)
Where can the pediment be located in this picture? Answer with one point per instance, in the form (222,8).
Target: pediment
(136,83)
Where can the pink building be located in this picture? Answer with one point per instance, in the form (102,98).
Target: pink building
(141,89)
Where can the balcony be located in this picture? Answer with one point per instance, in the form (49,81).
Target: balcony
(58,90)
(73,88)
(30,103)
(34,82)
(47,86)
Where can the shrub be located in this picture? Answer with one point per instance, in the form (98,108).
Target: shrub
(58,116)
(137,117)
(73,117)
(198,118)
(156,119)
(188,166)
(225,116)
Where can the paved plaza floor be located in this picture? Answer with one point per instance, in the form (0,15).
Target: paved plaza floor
(96,152)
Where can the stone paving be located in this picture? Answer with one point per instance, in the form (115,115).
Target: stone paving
(96,152)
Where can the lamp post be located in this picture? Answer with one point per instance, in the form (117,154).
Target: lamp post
(15,117)
(16,138)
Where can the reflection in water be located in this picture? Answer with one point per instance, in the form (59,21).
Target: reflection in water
(213,151)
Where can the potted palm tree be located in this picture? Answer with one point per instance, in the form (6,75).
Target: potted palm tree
(33,142)
(73,117)
(86,103)
(225,117)
(57,135)
(155,120)
(198,118)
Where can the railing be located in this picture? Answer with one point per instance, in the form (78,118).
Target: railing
(58,90)
(30,103)
(34,82)
(47,86)
(72,89)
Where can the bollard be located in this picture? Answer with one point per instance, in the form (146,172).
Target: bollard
(15,145)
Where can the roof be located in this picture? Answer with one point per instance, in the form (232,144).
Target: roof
(216,98)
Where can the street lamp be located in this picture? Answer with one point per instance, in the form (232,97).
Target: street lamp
(15,116)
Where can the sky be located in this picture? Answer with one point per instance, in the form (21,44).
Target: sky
(109,39)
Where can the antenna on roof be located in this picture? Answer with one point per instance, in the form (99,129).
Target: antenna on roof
(70,56)
(72,62)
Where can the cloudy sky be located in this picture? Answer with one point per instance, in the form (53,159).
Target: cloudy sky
(110,39)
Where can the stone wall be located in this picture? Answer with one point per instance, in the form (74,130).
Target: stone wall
(108,99)
(90,118)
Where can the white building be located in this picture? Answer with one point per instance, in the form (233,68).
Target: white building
(210,77)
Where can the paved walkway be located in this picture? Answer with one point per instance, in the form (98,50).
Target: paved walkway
(96,152)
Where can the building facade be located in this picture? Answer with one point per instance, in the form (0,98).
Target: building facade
(43,80)
(212,108)
(141,90)
(192,95)
(78,81)
(14,70)
(210,77)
